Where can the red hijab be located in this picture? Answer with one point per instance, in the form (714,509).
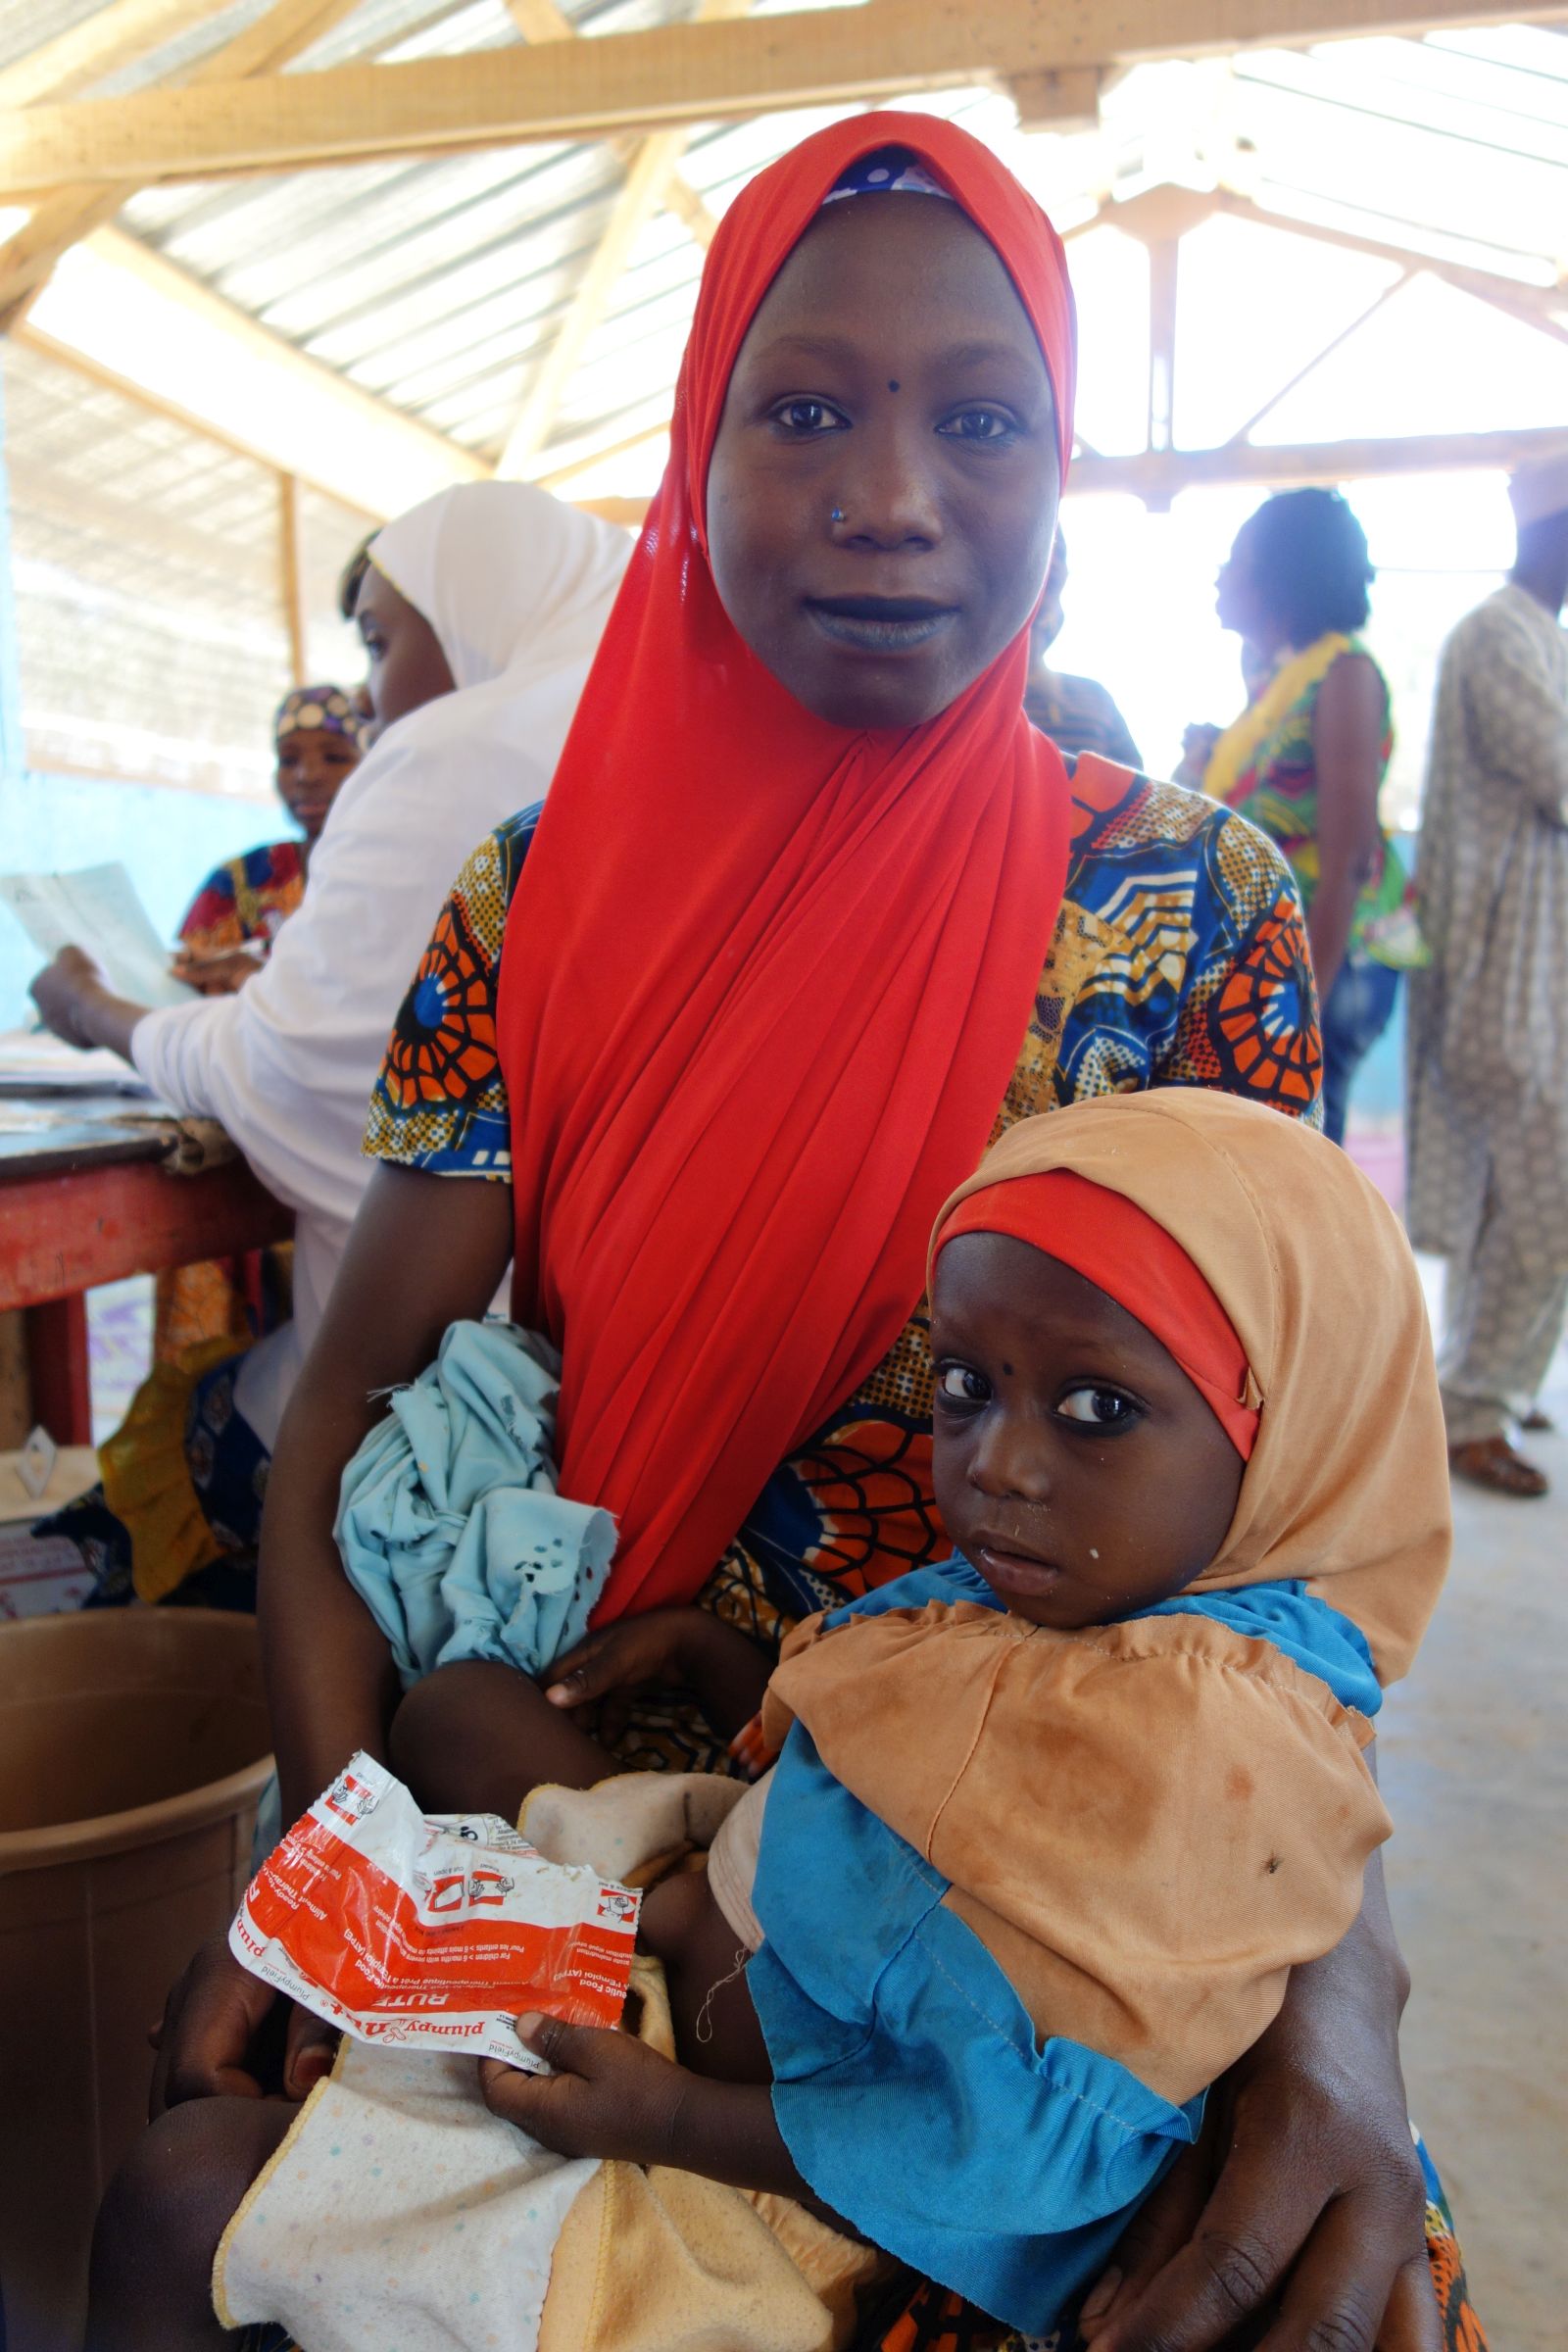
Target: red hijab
(766,979)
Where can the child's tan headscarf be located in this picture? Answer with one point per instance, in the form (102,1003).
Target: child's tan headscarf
(1347,1483)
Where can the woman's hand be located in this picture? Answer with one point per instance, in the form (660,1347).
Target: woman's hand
(688,1648)
(64,990)
(77,1003)
(609,2097)
(1198,748)
(217,975)
(220,2034)
(1305,2198)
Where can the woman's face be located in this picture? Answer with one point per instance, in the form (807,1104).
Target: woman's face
(1237,600)
(313,766)
(883,488)
(407,664)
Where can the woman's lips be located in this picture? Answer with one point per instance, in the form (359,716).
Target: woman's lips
(1016,1572)
(880,624)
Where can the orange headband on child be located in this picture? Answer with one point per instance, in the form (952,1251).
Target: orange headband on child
(1122,1249)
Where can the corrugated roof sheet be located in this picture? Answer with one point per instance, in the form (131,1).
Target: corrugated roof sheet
(439,285)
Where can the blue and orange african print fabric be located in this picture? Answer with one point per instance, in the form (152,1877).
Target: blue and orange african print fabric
(1179,958)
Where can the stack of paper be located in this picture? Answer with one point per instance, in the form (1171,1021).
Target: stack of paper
(33,1061)
(97,910)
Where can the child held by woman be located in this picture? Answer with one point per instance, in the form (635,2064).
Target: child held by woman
(1050,1823)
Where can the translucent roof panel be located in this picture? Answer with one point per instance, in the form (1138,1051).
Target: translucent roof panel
(1431,361)
(1271,303)
(160,550)
(440,284)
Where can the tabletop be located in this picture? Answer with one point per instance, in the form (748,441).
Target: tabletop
(47,1135)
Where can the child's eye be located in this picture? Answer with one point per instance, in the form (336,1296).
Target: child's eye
(980,425)
(961,1384)
(1099,1409)
(806,419)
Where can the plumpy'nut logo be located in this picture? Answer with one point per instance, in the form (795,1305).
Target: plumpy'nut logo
(432,1931)
(350,1798)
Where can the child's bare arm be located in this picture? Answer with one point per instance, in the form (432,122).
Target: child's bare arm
(476,1736)
(725,1673)
(611,2096)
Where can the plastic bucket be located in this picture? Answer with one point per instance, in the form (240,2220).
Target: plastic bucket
(132,1750)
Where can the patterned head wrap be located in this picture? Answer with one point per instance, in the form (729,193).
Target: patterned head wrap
(886,171)
(325,710)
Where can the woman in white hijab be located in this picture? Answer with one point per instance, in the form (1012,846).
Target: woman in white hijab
(481,612)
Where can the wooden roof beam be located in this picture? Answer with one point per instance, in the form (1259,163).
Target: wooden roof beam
(112,37)
(558,476)
(197,358)
(654,166)
(68,213)
(669,76)
(1162,212)
(545,20)
(642,197)
(1158,476)
(1529,303)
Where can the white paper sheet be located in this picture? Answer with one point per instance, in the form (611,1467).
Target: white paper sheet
(34,1062)
(96,909)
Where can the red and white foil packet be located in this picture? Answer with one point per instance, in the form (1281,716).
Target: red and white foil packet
(431,1930)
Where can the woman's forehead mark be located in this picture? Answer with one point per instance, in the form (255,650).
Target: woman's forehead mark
(893,383)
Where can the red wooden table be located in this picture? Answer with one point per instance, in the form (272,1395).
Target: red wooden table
(85,1201)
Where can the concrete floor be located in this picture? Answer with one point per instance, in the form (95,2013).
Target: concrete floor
(1474,1765)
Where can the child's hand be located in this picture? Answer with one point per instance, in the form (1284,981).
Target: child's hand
(687,1648)
(609,2097)
(217,975)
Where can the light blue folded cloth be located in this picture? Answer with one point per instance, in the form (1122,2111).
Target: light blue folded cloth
(449,1523)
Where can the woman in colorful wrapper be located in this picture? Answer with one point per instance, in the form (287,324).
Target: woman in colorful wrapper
(812,913)
(1307,756)
(231,924)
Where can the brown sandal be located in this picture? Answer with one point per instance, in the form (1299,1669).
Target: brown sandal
(1492,1462)
(1538,1423)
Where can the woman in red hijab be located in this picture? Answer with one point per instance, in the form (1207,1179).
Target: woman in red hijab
(810,913)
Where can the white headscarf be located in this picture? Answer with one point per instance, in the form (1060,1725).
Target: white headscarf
(518,588)
(515,584)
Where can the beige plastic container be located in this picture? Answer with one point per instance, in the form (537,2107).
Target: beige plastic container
(132,1751)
